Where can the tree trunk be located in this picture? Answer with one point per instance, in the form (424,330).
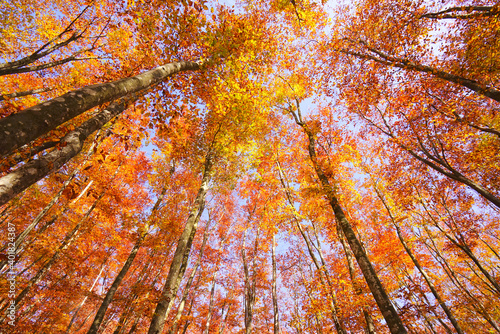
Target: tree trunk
(319,325)
(369,325)
(476,304)
(181,252)
(27,125)
(94,328)
(321,269)
(68,240)
(378,291)
(436,295)
(24,93)
(211,303)
(73,318)
(71,144)
(112,290)
(250,283)
(276,316)
(22,236)
(185,294)
(224,320)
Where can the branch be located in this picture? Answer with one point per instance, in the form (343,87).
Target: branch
(44,50)
(472,12)
(25,93)
(406,64)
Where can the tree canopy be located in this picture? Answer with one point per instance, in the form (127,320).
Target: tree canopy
(284,166)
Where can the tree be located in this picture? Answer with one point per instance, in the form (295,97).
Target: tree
(340,158)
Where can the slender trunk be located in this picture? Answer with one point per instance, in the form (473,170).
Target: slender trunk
(455,175)
(21,238)
(459,241)
(134,325)
(476,304)
(94,328)
(339,326)
(369,325)
(68,240)
(184,263)
(23,127)
(458,12)
(224,320)
(325,281)
(112,290)
(124,317)
(426,277)
(211,304)
(75,314)
(414,300)
(187,288)
(250,283)
(181,252)
(385,305)
(276,316)
(182,304)
(424,296)
(466,249)
(187,323)
(319,325)
(137,313)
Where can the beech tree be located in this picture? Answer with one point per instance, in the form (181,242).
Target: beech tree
(253,167)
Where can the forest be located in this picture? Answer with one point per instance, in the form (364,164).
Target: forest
(249,166)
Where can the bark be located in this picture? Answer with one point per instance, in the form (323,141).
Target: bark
(181,252)
(187,323)
(54,218)
(182,304)
(94,328)
(27,125)
(180,310)
(71,144)
(212,291)
(385,305)
(184,263)
(250,282)
(460,242)
(426,277)
(136,313)
(414,301)
(68,240)
(187,288)
(319,325)
(224,320)
(276,316)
